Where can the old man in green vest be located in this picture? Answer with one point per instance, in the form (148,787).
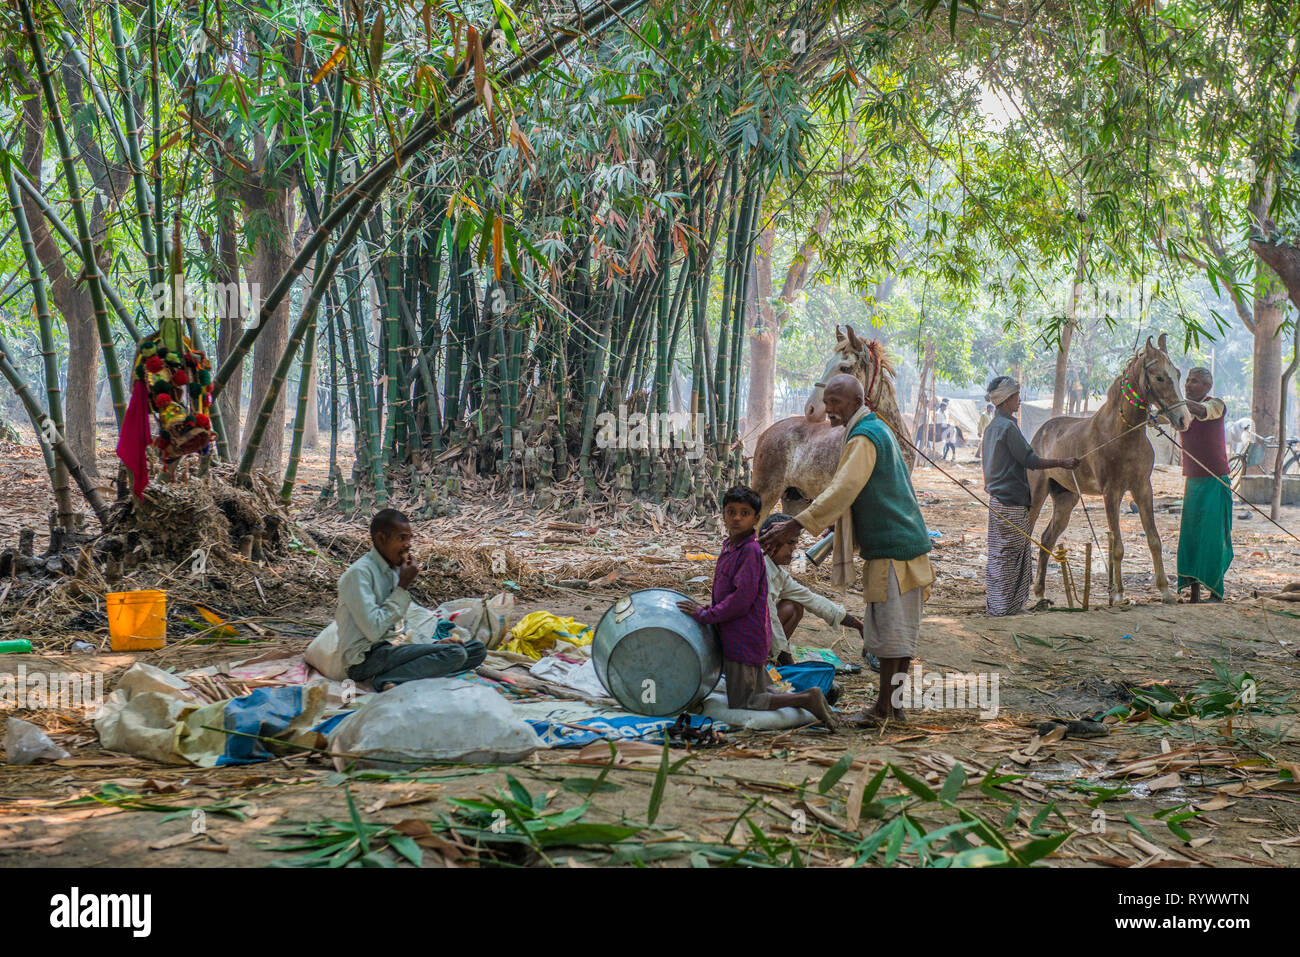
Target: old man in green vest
(874,508)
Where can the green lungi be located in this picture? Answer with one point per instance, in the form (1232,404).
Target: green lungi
(1205,533)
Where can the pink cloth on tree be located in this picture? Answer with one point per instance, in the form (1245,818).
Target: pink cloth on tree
(134,439)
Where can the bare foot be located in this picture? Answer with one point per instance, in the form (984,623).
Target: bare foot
(866,718)
(823,711)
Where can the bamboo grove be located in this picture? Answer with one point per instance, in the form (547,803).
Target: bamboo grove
(479,230)
(549,238)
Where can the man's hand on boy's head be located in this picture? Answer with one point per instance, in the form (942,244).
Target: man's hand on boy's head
(780,535)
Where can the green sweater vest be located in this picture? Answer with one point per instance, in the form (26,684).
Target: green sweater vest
(887,520)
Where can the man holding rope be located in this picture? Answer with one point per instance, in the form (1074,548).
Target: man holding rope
(1205,531)
(871,501)
(1006,455)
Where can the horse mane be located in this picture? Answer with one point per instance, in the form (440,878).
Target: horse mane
(875,348)
(883,362)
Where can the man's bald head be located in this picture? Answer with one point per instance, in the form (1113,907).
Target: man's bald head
(846,385)
(843,398)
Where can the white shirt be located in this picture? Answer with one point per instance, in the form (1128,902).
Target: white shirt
(371,606)
(781,585)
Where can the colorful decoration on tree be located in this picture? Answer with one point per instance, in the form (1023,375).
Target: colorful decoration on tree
(179,383)
(172,380)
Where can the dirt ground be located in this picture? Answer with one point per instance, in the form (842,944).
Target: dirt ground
(1229,782)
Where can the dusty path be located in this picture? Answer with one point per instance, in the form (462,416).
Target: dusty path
(1241,774)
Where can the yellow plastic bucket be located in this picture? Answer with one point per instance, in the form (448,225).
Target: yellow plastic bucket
(137,620)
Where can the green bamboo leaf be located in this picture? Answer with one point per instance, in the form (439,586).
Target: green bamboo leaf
(835,772)
(1142,830)
(407,848)
(357,826)
(952,784)
(589,786)
(519,792)
(1043,847)
(377,42)
(657,790)
(869,792)
(980,857)
(896,841)
(919,788)
(872,842)
(586,833)
(1181,832)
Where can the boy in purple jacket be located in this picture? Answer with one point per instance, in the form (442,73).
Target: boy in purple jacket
(739,609)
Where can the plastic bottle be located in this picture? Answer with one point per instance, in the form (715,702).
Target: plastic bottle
(20,646)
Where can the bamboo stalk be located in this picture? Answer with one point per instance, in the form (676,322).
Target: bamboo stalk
(367,427)
(60,227)
(305,319)
(54,396)
(53,435)
(309,349)
(75,199)
(132,133)
(334,400)
(437,120)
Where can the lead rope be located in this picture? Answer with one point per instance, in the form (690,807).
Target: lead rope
(1219,479)
(1010,524)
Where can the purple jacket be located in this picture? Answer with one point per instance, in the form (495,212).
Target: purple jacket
(739,606)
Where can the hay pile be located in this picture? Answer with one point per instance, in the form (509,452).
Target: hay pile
(210,513)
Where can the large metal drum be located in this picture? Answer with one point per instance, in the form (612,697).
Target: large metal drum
(654,659)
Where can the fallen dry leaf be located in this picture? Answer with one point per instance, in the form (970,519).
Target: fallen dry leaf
(1165,783)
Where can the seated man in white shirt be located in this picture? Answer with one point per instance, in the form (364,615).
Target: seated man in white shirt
(788,599)
(373,603)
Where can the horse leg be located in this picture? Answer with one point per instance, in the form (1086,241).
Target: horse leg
(1146,508)
(1112,500)
(1063,502)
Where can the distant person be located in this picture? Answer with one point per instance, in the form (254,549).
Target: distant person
(1205,528)
(740,610)
(372,609)
(1006,459)
(788,598)
(949,441)
(985,419)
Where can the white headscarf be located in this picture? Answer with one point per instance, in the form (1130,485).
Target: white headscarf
(1006,388)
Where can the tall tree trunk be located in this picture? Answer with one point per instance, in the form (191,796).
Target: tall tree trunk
(1266,375)
(770,318)
(1067,332)
(271,259)
(230,326)
(70,298)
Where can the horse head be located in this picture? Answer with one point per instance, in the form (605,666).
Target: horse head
(852,356)
(1158,379)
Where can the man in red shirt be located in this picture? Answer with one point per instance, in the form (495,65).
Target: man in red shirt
(1205,532)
